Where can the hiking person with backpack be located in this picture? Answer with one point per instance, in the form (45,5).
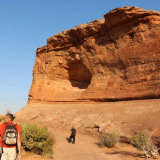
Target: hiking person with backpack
(10,138)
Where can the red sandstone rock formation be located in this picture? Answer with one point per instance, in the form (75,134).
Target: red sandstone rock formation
(113,59)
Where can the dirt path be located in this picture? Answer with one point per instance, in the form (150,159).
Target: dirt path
(85,148)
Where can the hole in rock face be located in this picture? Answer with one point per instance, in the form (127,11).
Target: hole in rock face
(132,35)
(79,75)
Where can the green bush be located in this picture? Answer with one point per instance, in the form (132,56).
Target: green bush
(37,139)
(109,139)
(140,140)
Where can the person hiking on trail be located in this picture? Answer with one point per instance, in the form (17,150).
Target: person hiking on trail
(10,138)
(73,134)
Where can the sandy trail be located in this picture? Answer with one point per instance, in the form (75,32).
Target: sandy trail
(85,148)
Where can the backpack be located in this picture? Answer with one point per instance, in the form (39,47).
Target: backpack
(10,135)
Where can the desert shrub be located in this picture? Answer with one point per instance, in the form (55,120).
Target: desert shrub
(143,141)
(150,150)
(109,139)
(37,139)
(140,140)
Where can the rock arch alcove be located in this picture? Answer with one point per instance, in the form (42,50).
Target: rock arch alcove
(79,75)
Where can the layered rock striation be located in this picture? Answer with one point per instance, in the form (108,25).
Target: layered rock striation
(117,58)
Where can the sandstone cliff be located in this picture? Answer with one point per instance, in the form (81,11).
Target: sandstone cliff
(117,58)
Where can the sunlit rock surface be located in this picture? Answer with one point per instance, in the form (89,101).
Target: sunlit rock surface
(117,58)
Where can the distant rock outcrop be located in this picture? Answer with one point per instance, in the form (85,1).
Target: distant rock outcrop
(106,60)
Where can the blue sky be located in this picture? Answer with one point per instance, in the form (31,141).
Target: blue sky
(26,25)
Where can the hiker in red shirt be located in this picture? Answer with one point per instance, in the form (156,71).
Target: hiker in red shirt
(10,138)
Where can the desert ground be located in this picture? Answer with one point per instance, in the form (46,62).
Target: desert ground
(90,121)
(85,148)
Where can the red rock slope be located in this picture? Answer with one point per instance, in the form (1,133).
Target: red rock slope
(117,58)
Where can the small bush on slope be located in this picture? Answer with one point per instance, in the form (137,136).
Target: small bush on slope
(143,141)
(109,139)
(140,140)
(37,139)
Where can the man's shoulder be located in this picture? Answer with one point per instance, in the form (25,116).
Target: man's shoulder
(2,124)
(13,124)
